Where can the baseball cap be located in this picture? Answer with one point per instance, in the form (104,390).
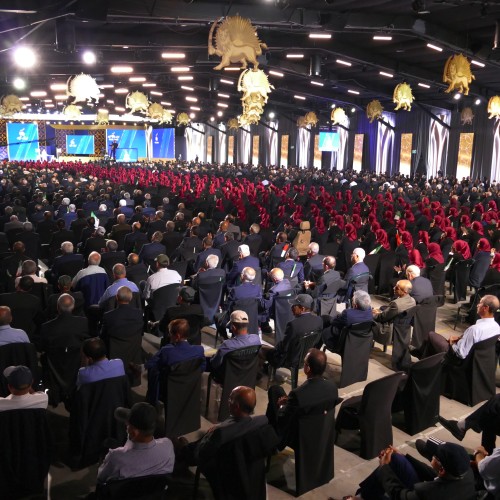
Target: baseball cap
(18,376)
(142,416)
(100,231)
(453,457)
(162,259)
(239,317)
(187,293)
(303,300)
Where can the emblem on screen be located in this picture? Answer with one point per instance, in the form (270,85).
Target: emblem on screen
(22,135)
(113,137)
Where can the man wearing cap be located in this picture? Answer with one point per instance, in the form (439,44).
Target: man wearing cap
(142,455)
(245,260)
(22,396)
(285,352)
(177,351)
(404,477)
(162,277)
(240,339)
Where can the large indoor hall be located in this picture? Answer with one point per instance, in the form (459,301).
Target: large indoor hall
(250,249)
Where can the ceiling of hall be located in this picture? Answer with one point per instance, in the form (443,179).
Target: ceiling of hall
(136,32)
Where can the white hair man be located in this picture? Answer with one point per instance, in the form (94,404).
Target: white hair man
(313,267)
(357,272)
(245,260)
(421,288)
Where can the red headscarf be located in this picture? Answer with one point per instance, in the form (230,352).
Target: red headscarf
(375,226)
(401,225)
(492,205)
(461,246)
(416,258)
(478,227)
(350,232)
(451,233)
(382,238)
(435,252)
(407,240)
(423,236)
(339,220)
(356,221)
(483,245)
(409,216)
(496,262)
(465,220)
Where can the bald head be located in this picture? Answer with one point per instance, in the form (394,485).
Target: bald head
(133,259)
(403,286)
(5,316)
(242,401)
(94,259)
(277,274)
(124,295)
(65,303)
(119,271)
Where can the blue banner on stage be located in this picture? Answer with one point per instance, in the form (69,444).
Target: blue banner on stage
(131,143)
(80,144)
(22,139)
(163,143)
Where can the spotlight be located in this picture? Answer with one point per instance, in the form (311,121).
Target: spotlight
(24,57)
(212,119)
(271,115)
(19,83)
(457,96)
(88,57)
(353,110)
(477,102)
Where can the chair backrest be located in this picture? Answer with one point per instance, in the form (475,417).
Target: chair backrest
(483,370)
(163,298)
(314,450)
(424,321)
(372,262)
(357,344)
(422,392)
(27,442)
(437,277)
(15,354)
(282,313)
(111,303)
(462,271)
(297,353)
(243,463)
(93,287)
(71,268)
(251,307)
(119,237)
(401,338)
(42,291)
(375,414)
(92,417)
(239,368)
(60,369)
(180,267)
(136,488)
(385,272)
(180,391)
(210,295)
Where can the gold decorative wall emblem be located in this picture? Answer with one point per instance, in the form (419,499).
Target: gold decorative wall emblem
(11,104)
(466,116)
(403,96)
(83,88)
(137,102)
(494,107)
(457,74)
(374,110)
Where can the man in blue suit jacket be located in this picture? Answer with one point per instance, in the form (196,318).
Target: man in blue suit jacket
(361,312)
(176,352)
(207,250)
(246,260)
(281,284)
(150,251)
(358,267)
(247,290)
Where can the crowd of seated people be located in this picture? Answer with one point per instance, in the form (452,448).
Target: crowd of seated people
(118,243)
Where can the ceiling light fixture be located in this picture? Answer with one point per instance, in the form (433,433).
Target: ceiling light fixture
(119,109)
(185,87)
(191,99)
(477,102)
(60,97)
(424,85)
(302,98)
(106,86)
(434,47)
(173,55)
(271,115)
(295,56)
(89,57)
(319,84)
(191,115)
(225,96)
(229,82)
(155,92)
(384,73)
(353,110)
(179,69)
(165,103)
(122,90)
(121,69)
(18,83)
(457,96)
(212,119)
(222,105)
(149,84)
(477,63)
(38,93)
(219,113)
(137,79)
(276,73)
(326,36)
(232,68)
(24,98)
(184,78)
(194,108)
(345,63)
(386,38)
(24,57)
(355,92)
(58,86)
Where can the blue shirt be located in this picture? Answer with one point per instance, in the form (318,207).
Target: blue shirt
(100,370)
(10,335)
(232,344)
(113,289)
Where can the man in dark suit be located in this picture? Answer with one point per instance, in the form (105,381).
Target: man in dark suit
(253,240)
(219,238)
(278,251)
(62,234)
(120,227)
(135,240)
(208,272)
(67,257)
(292,268)
(207,250)
(285,352)
(190,245)
(96,243)
(158,224)
(358,268)
(31,241)
(64,285)
(150,251)
(328,283)
(421,288)
(247,290)
(315,395)
(361,312)
(46,228)
(313,267)
(13,263)
(245,260)
(66,330)
(136,271)
(171,238)
(112,256)
(229,251)
(280,285)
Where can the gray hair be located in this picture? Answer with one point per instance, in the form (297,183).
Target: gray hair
(244,250)
(65,303)
(413,269)
(362,300)
(67,247)
(314,247)
(248,273)
(212,261)
(94,258)
(360,253)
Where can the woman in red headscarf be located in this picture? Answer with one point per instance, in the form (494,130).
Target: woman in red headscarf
(476,232)
(482,259)
(435,255)
(336,229)
(347,245)
(416,258)
(423,243)
(447,239)
(403,250)
(492,276)
(382,242)
(459,251)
